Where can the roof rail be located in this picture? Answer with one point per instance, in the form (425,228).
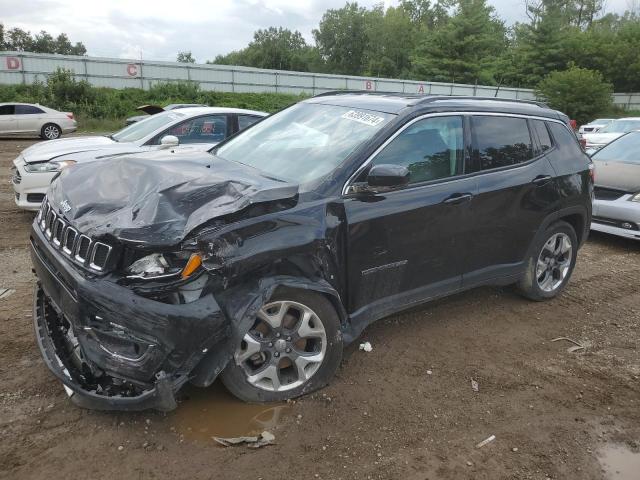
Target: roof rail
(431,98)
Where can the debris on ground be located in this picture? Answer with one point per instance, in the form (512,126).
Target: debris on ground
(366,346)
(577,345)
(486,441)
(265,438)
(6,292)
(474,385)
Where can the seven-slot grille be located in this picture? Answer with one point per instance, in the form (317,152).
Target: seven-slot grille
(80,248)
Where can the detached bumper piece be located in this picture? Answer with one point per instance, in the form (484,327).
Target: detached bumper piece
(113,349)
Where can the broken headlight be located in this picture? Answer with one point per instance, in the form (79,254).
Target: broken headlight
(165,265)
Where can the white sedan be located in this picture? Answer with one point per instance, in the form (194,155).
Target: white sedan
(26,119)
(192,128)
(617,128)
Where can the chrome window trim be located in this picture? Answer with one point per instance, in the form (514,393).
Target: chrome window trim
(93,256)
(365,164)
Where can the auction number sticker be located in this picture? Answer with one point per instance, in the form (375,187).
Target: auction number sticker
(366,118)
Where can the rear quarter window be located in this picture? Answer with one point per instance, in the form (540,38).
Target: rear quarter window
(563,137)
(500,141)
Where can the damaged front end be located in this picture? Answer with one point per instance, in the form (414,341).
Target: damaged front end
(126,308)
(120,340)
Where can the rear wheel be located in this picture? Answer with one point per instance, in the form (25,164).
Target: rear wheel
(50,131)
(293,347)
(551,264)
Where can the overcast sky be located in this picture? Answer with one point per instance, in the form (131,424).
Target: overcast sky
(158,30)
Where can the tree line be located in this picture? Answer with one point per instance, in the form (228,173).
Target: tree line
(461,41)
(19,40)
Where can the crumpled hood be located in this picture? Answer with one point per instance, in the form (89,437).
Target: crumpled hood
(618,175)
(157,200)
(51,149)
(600,138)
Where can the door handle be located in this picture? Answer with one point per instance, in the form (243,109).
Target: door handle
(541,179)
(457,198)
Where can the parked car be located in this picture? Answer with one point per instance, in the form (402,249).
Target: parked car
(259,262)
(595,125)
(615,129)
(616,207)
(192,128)
(155,109)
(25,119)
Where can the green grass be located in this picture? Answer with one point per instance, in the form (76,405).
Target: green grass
(99,125)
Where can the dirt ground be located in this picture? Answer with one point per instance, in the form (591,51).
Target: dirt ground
(405,410)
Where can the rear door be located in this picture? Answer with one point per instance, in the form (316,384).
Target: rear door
(8,120)
(30,118)
(403,244)
(516,192)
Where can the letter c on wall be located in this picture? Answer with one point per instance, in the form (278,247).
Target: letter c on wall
(132,69)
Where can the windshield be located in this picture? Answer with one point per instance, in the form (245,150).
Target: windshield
(621,126)
(141,129)
(304,142)
(625,149)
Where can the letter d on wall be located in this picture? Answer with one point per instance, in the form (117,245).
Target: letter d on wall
(13,63)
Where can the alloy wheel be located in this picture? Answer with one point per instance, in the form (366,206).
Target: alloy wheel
(554,262)
(51,132)
(284,348)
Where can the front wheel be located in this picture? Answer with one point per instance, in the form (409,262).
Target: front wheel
(50,131)
(551,263)
(293,347)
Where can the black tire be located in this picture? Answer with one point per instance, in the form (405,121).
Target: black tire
(50,131)
(530,285)
(234,376)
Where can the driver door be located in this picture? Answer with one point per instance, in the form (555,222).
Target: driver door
(404,245)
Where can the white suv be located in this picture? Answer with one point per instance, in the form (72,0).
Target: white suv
(28,119)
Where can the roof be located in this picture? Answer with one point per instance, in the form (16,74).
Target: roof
(396,102)
(194,111)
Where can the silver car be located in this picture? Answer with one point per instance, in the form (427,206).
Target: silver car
(617,128)
(192,128)
(26,119)
(616,207)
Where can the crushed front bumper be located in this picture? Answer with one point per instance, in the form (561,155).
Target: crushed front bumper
(111,348)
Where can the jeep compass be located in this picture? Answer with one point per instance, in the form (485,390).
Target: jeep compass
(257,262)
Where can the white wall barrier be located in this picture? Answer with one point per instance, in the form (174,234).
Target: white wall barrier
(25,68)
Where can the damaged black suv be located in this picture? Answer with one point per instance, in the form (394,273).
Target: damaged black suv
(259,261)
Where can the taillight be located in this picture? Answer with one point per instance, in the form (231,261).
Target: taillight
(70,115)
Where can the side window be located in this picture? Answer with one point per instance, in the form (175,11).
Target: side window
(246,120)
(562,136)
(431,149)
(544,140)
(6,109)
(209,129)
(27,110)
(500,141)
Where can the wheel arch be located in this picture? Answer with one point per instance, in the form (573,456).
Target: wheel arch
(241,305)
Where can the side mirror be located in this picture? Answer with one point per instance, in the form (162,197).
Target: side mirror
(387,175)
(169,141)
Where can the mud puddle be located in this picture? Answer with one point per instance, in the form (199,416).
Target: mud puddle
(214,412)
(620,463)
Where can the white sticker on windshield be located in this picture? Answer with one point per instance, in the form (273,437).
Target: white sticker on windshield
(366,118)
